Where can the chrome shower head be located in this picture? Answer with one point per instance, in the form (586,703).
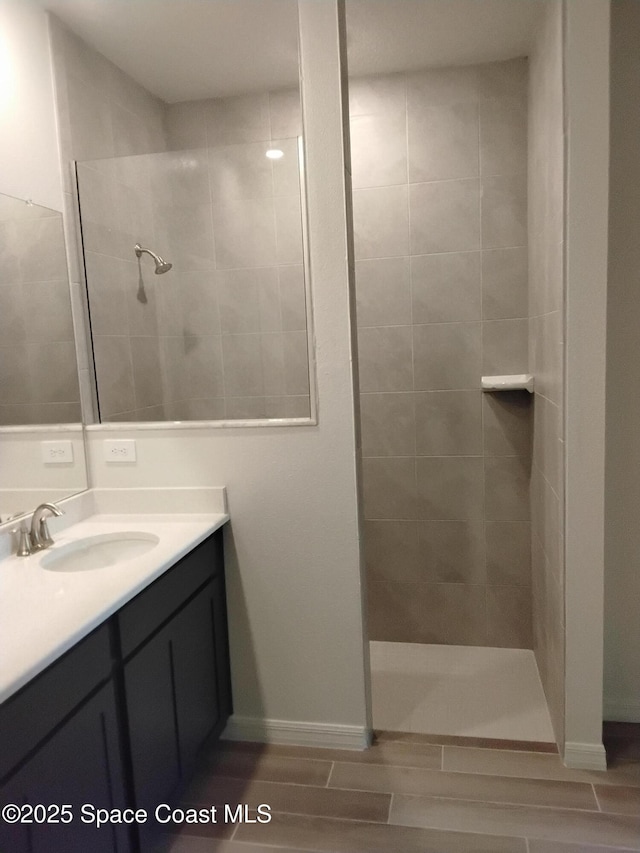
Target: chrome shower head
(161,265)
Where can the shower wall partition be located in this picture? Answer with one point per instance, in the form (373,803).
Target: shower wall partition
(222,335)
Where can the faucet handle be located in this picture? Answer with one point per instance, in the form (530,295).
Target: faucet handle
(24,542)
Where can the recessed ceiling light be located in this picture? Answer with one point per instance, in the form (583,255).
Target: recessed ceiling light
(275,154)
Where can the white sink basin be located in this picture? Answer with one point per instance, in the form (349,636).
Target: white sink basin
(98,552)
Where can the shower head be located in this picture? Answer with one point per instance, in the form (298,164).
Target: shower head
(161,265)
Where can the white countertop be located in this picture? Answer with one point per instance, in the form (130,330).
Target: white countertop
(44,613)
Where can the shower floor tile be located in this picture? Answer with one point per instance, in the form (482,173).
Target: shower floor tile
(465,691)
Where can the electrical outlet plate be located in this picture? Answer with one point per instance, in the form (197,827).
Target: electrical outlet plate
(56,452)
(119,450)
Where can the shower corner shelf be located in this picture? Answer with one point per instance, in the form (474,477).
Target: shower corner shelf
(516,382)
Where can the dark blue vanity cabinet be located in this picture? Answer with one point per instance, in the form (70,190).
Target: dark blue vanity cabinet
(119,721)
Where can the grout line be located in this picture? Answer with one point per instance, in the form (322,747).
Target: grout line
(526,845)
(595,794)
(333,764)
(390,807)
(442,758)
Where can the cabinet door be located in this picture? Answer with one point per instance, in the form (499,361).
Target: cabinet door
(172,706)
(79,764)
(196,690)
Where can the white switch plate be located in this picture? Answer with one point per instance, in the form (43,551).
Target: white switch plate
(56,452)
(119,450)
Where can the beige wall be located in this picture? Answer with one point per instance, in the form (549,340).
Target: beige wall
(622,554)
(546,335)
(439,175)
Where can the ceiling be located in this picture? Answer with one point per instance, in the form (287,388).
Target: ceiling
(184,50)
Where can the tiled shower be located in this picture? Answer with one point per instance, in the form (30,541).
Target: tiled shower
(458,276)
(439,174)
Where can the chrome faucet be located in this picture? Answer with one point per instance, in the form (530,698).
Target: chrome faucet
(39,536)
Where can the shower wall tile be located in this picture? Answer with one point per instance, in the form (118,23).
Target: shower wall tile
(377,95)
(239,300)
(436,452)
(57,383)
(504,347)
(285,113)
(442,86)
(113,366)
(384,358)
(203,365)
(240,171)
(381,141)
(507,423)
(508,553)
(383,291)
(288,229)
(389,488)
(507,79)
(245,234)
(285,171)
(381,222)
(503,136)
(392,551)
(293,406)
(188,236)
(15,383)
(186,125)
(448,423)
(241,408)
(452,551)
(50,315)
(446,288)
(504,211)
(273,365)
(506,489)
(445,216)
(244,118)
(296,371)
(450,488)
(504,284)
(443,142)
(293,305)
(388,424)
(447,356)
(48,263)
(12,314)
(147,374)
(509,617)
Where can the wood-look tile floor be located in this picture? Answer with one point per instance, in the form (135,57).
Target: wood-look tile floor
(419,794)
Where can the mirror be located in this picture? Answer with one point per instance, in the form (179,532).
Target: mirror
(197,295)
(41,438)
(201,169)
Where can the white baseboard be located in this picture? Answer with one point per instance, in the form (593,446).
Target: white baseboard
(585,756)
(621,711)
(327,735)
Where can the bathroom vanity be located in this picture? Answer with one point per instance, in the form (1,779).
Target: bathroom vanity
(119,719)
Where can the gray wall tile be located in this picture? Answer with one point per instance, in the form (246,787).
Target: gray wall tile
(448,423)
(446,287)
